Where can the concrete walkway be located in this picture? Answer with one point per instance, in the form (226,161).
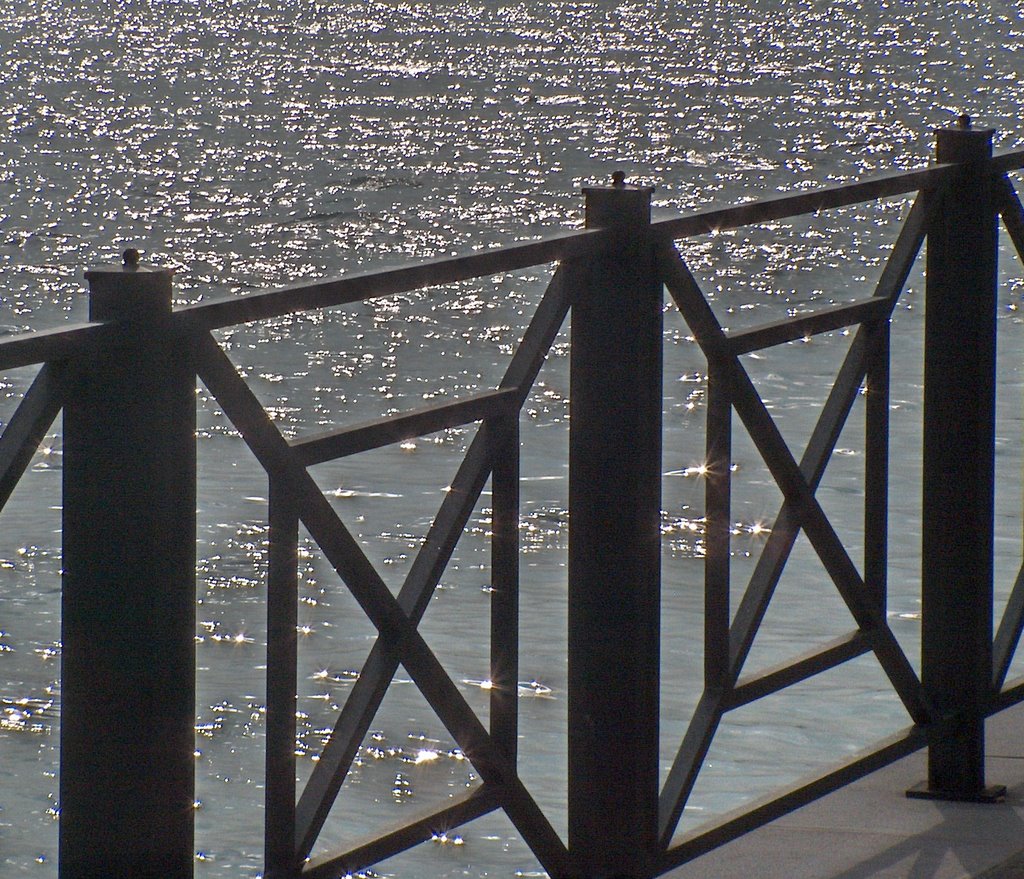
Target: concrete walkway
(870,829)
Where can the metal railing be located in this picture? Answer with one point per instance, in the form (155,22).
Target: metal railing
(126,381)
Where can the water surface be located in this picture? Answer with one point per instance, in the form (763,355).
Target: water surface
(252,144)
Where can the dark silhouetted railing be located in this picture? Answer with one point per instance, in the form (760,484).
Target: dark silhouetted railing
(126,383)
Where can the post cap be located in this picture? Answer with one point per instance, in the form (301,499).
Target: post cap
(619,204)
(963,142)
(129,290)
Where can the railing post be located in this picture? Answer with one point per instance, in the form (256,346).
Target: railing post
(615,546)
(128,608)
(959,466)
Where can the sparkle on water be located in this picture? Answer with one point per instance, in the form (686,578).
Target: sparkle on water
(250,144)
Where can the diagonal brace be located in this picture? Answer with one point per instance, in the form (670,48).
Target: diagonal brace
(368,691)
(826,433)
(791,481)
(28,426)
(1012,212)
(395,628)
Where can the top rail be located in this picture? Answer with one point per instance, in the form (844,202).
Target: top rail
(781,207)
(26,349)
(40,346)
(1008,160)
(405,279)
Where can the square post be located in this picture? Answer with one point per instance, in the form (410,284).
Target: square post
(127,786)
(959,466)
(615,546)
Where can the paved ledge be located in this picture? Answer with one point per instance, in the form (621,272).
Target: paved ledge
(870,830)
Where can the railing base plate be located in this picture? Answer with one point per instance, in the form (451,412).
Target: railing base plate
(993,793)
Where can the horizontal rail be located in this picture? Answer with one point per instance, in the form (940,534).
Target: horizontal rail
(464,808)
(782,207)
(405,279)
(751,816)
(26,349)
(396,428)
(749,689)
(1008,160)
(40,346)
(802,326)
(552,248)
(81,340)
(840,195)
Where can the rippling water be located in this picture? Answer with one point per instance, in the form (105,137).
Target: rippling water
(250,144)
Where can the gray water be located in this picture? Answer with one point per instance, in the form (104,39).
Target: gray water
(252,144)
